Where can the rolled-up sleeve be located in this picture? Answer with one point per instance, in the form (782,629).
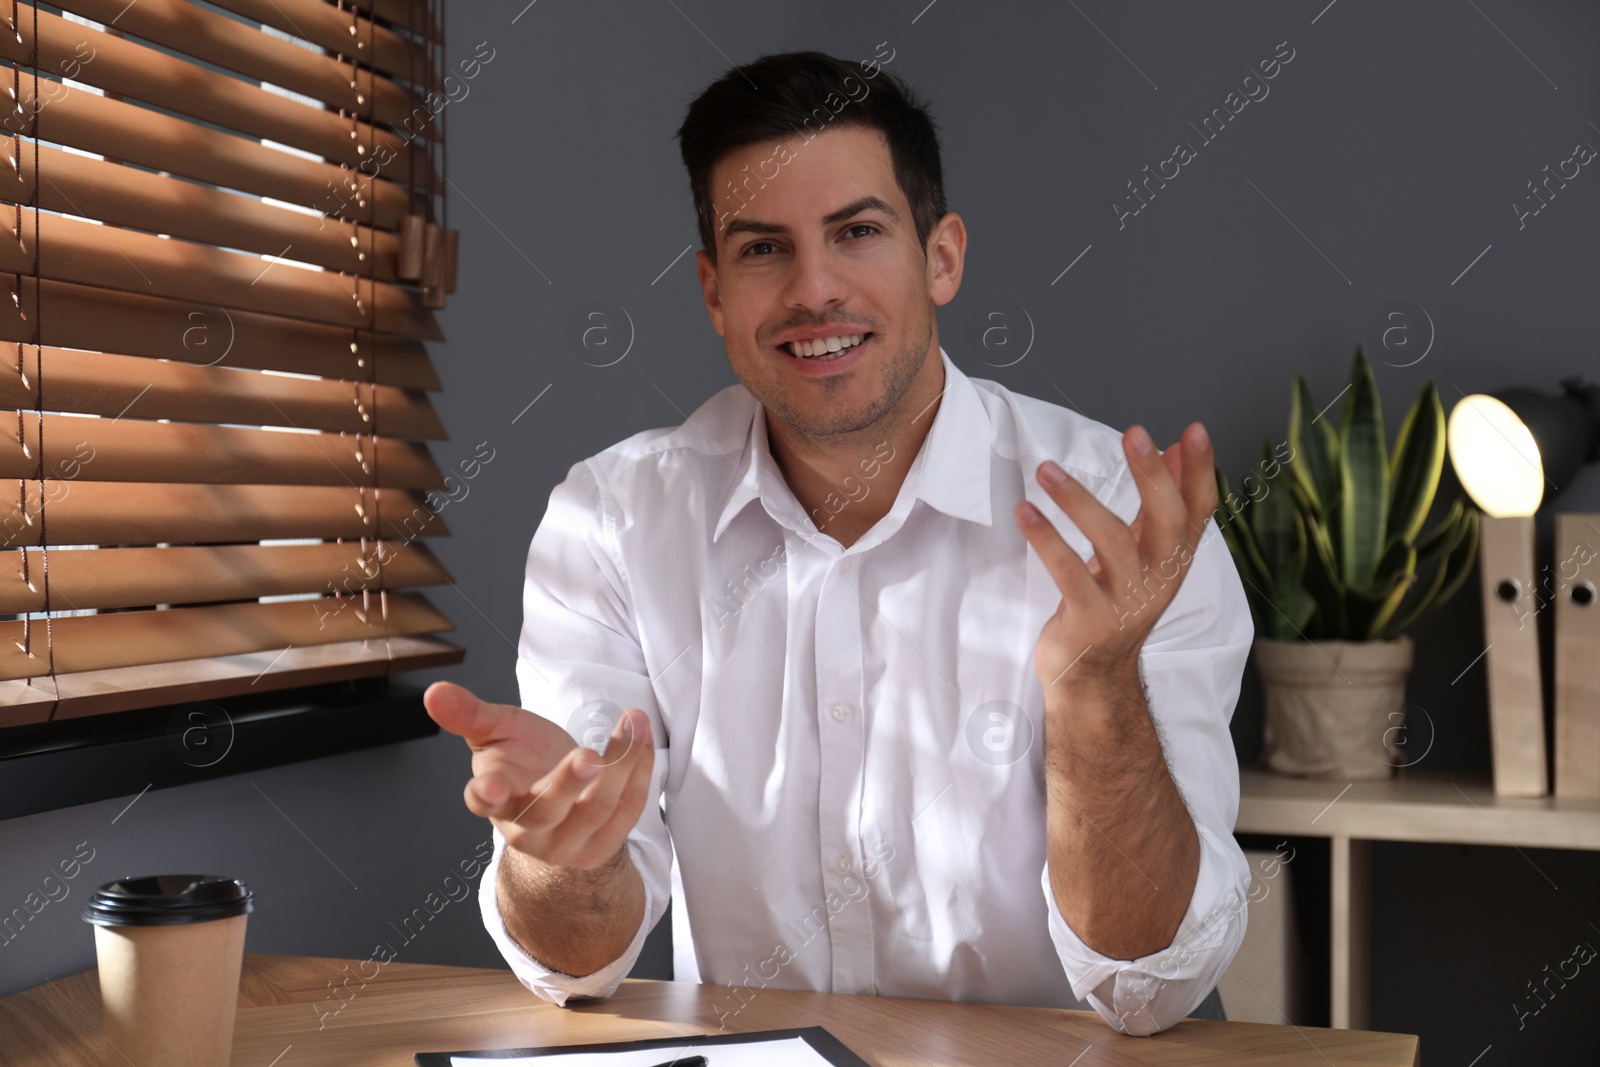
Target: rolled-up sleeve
(1191,664)
(580,664)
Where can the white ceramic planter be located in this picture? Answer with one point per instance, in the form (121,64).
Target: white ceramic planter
(1333,708)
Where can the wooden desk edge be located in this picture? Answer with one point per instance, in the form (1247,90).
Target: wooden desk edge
(276,988)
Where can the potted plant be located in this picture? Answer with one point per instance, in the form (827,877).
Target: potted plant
(1336,564)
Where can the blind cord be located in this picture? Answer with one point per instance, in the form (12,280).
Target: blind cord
(372,375)
(16,298)
(38,365)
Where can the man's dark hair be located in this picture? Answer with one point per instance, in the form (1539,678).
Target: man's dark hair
(786,97)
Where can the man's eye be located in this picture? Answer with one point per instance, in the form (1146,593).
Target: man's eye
(759,244)
(863,226)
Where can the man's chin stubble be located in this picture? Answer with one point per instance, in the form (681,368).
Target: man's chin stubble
(838,424)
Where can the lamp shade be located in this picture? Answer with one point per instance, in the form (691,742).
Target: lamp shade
(1518,448)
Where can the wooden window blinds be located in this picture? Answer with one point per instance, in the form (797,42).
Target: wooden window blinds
(227,239)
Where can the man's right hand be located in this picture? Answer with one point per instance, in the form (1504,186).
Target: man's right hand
(560,803)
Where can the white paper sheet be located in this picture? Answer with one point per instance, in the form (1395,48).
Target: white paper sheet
(784,1052)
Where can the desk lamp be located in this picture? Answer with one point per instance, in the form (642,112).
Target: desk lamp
(1513,451)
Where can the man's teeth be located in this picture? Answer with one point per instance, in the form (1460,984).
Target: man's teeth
(824,346)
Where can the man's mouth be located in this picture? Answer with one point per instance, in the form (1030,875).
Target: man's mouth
(823,349)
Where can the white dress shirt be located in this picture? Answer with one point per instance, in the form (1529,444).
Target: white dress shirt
(849,768)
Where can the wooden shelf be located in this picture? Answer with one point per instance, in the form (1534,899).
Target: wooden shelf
(1428,807)
(1417,806)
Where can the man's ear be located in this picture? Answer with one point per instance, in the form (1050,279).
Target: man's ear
(947,250)
(709,288)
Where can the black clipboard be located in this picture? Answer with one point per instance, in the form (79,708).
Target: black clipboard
(826,1045)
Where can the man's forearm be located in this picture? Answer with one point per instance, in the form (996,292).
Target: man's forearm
(1124,853)
(571,920)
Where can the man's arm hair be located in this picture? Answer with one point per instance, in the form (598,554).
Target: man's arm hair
(571,920)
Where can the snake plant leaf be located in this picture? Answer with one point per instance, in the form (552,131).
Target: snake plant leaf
(1364,478)
(1415,467)
(1282,551)
(1372,605)
(1261,611)
(1241,545)
(1295,610)
(1316,449)
(1459,544)
(1322,580)
(1399,557)
(1295,604)
(1400,581)
(1441,537)
(1260,607)
(1250,575)
(1460,561)
(1337,550)
(1231,506)
(1282,546)
(1236,533)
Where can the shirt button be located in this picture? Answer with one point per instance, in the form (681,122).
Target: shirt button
(842,864)
(845,565)
(841,712)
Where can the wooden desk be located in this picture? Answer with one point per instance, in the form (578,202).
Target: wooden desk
(1414,806)
(408,1008)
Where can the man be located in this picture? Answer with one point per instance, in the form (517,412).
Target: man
(897,742)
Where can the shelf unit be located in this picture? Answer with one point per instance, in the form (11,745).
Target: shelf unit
(1428,807)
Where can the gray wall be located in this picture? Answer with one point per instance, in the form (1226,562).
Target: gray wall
(1384,160)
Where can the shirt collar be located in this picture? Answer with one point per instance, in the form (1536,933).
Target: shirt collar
(951,471)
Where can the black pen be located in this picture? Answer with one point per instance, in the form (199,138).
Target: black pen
(688,1061)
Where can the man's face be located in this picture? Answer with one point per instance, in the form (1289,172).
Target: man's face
(819,242)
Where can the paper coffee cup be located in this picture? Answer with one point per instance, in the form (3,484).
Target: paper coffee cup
(170,947)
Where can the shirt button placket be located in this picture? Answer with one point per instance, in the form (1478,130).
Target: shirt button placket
(841,759)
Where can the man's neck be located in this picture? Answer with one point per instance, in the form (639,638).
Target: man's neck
(848,482)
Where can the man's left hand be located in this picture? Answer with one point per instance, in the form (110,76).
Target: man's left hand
(1111,603)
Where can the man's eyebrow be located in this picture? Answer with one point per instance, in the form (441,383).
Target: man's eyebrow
(855,207)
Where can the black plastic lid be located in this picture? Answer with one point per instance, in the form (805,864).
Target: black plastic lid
(168,900)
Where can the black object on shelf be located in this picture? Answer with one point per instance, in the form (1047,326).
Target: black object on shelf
(44,766)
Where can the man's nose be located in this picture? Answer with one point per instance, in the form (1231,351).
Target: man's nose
(815,279)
